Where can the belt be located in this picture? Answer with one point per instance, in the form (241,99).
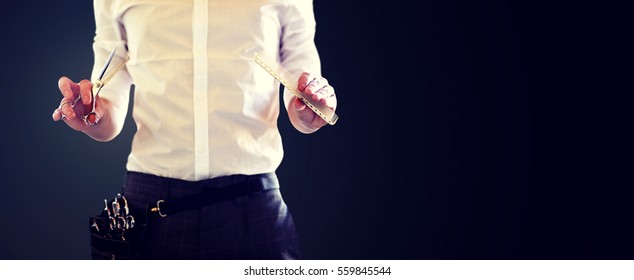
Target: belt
(246,185)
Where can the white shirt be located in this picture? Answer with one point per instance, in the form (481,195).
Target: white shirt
(202,106)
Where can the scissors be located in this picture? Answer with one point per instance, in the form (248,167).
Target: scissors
(119,218)
(92,118)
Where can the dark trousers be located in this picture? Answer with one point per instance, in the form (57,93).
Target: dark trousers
(254,226)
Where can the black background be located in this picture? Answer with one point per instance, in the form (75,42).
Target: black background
(468,130)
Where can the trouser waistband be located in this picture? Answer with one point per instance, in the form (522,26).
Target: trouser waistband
(267,179)
(202,193)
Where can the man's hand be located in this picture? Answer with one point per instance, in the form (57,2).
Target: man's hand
(77,102)
(318,89)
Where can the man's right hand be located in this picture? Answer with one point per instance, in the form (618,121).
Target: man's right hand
(77,102)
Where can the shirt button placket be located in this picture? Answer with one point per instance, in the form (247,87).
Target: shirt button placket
(201,109)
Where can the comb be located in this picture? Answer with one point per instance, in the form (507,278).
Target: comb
(289,81)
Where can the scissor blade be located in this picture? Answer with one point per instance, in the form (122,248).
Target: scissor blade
(105,67)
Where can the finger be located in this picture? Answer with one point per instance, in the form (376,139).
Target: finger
(308,117)
(323,93)
(99,110)
(326,96)
(67,109)
(304,114)
(304,80)
(299,105)
(85,91)
(71,118)
(68,88)
(316,121)
(57,115)
(315,85)
(330,101)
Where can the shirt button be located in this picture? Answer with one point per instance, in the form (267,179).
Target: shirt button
(200,97)
(201,149)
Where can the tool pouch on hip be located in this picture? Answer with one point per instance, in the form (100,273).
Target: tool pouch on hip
(115,233)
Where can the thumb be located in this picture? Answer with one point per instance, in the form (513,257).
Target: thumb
(299,105)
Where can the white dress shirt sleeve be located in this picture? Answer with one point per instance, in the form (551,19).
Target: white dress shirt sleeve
(109,34)
(298,52)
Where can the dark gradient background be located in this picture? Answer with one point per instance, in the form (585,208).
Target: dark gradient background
(468,130)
